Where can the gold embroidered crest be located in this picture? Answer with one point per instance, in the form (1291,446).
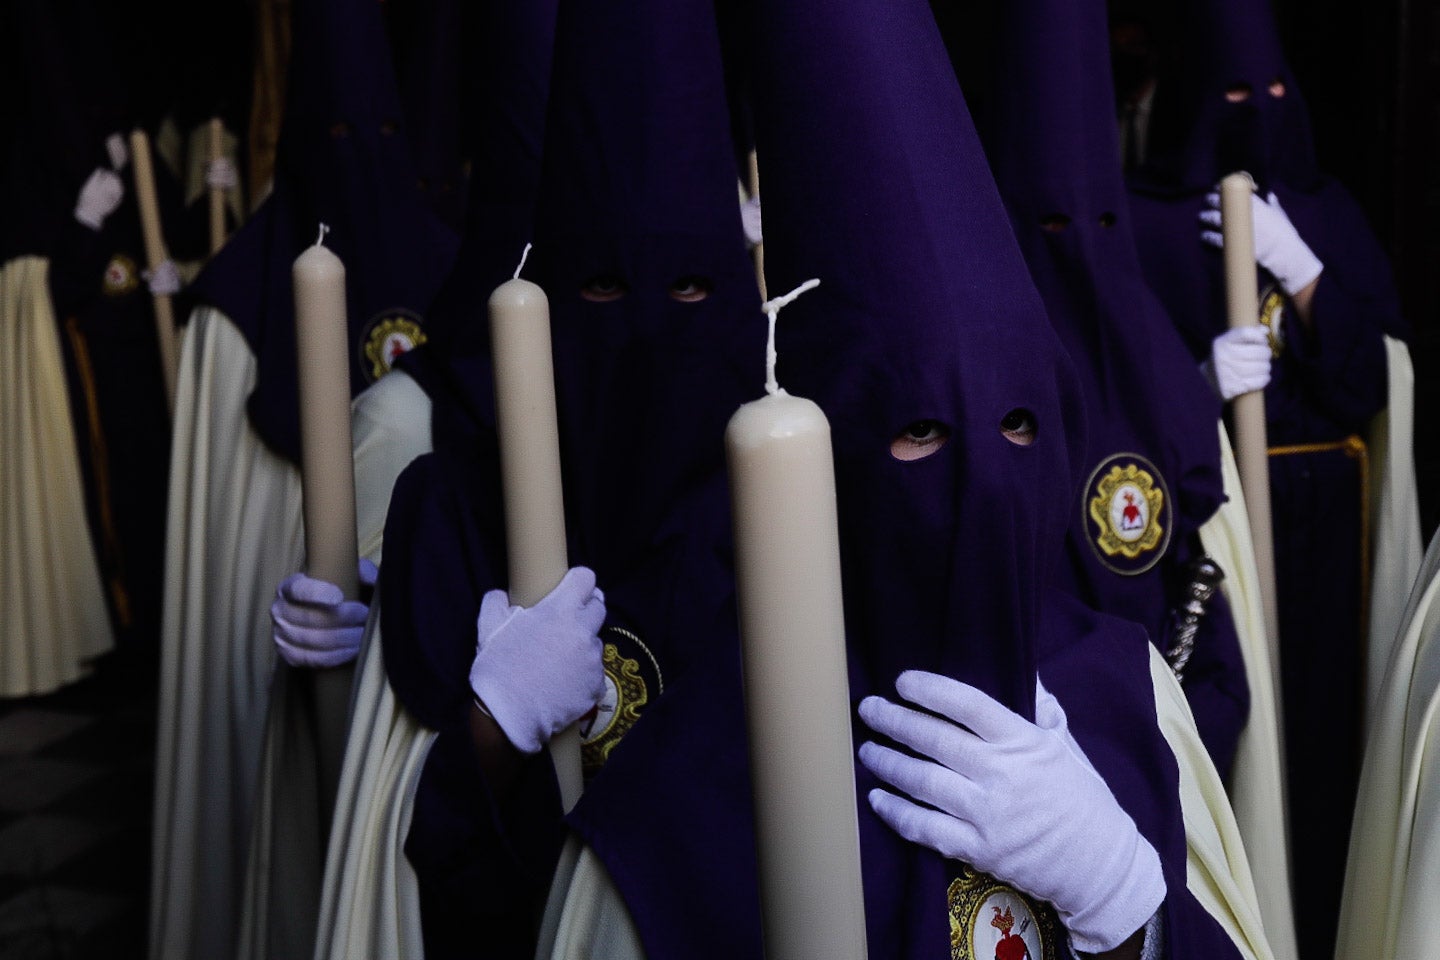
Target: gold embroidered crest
(388,337)
(990,920)
(626,692)
(1129,507)
(1272,309)
(121,276)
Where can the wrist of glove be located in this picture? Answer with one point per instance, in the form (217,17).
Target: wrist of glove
(538,670)
(314,626)
(1239,361)
(163,280)
(1015,799)
(99,197)
(1278,245)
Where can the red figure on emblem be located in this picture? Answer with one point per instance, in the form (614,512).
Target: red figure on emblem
(1131,514)
(1011,946)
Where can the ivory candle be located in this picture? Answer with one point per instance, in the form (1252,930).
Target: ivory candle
(533,496)
(327,476)
(215,149)
(797,699)
(1248,410)
(154,256)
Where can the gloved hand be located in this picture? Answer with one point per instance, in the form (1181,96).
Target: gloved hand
(314,625)
(1016,800)
(164,281)
(750,221)
(221,174)
(118,152)
(537,670)
(1239,362)
(99,197)
(1278,247)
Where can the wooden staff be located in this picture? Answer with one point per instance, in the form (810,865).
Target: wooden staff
(797,694)
(758,254)
(216,150)
(533,494)
(155,255)
(1248,409)
(322,350)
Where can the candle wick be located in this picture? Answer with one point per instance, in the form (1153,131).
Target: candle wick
(524,255)
(772,310)
(320,240)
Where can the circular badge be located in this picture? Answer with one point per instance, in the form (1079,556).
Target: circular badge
(630,674)
(121,276)
(1129,509)
(1272,311)
(387,336)
(990,920)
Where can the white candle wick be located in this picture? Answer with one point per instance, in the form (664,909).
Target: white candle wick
(524,255)
(324,229)
(772,310)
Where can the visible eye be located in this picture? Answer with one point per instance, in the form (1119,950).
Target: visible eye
(919,440)
(1054,223)
(603,289)
(340,130)
(1019,427)
(1277,88)
(389,127)
(690,289)
(1238,93)
(1107,219)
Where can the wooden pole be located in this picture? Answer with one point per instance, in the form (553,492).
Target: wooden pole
(758,254)
(216,149)
(1248,409)
(155,255)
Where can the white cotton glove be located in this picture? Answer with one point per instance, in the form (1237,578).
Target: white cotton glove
(1014,799)
(1239,361)
(163,280)
(314,625)
(539,669)
(99,197)
(118,152)
(1278,247)
(220,174)
(750,220)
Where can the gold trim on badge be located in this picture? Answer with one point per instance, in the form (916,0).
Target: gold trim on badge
(990,920)
(121,276)
(1272,308)
(385,336)
(1126,508)
(618,710)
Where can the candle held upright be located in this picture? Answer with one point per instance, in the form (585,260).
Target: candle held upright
(155,255)
(797,699)
(533,494)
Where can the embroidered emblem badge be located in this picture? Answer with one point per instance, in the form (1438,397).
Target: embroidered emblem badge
(1272,312)
(628,684)
(1128,504)
(387,336)
(990,920)
(121,276)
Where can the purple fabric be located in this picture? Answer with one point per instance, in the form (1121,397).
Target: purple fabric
(343,159)
(428,37)
(1327,383)
(1053,148)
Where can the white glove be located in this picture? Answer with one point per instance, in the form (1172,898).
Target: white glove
(118,152)
(1239,362)
(163,280)
(314,625)
(1016,800)
(750,221)
(537,670)
(99,197)
(1278,247)
(221,174)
